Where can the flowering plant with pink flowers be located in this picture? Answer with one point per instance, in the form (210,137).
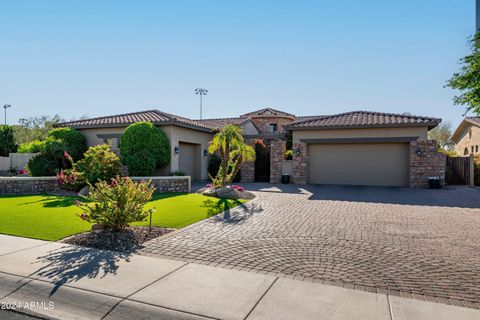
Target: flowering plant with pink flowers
(116,204)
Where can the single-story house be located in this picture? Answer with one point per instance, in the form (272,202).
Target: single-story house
(467,137)
(353,148)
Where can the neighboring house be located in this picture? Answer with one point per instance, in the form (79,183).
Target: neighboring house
(357,148)
(467,137)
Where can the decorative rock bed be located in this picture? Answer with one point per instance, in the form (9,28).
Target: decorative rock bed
(127,240)
(229,192)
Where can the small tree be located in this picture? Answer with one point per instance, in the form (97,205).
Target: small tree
(117,204)
(7,141)
(467,80)
(442,133)
(233,150)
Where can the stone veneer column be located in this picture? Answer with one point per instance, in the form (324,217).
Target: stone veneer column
(277,155)
(429,163)
(299,163)
(247,171)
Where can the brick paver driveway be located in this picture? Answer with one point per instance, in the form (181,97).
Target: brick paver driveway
(418,243)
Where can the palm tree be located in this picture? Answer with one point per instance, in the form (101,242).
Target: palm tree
(233,151)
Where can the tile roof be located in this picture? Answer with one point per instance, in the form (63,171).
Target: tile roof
(267,112)
(473,120)
(122,120)
(342,120)
(220,122)
(362,119)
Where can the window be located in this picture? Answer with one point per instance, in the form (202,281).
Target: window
(476,148)
(272,127)
(473,150)
(465,151)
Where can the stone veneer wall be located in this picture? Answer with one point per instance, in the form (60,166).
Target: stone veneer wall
(263,123)
(429,163)
(39,185)
(29,185)
(168,184)
(299,163)
(247,170)
(277,155)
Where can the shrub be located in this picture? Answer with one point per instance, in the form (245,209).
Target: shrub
(71,179)
(143,136)
(7,141)
(72,141)
(41,165)
(116,204)
(99,163)
(177,173)
(59,142)
(31,147)
(289,155)
(141,163)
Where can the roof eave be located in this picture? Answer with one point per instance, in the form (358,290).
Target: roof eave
(430,125)
(456,135)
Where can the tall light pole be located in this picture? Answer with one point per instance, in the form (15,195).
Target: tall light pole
(6,106)
(202,92)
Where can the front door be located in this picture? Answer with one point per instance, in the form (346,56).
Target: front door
(262,162)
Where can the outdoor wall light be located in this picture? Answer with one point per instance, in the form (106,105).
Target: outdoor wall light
(298,152)
(419,152)
(177,150)
(205,152)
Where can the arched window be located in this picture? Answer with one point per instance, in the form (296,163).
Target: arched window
(465,151)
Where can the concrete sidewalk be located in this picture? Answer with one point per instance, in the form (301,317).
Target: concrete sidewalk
(62,281)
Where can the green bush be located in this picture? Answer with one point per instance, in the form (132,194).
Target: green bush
(41,165)
(7,141)
(31,147)
(114,205)
(144,136)
(72,141)
(58,151)
(141,163)
(289,155)
(476,172)
(99,163)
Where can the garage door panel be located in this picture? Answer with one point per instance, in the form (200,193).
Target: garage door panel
(383,164)
(186,158)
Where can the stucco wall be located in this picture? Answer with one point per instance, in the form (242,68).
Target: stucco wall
(91,134)
(467,141)
(179,134)
(175,135)
(420,132)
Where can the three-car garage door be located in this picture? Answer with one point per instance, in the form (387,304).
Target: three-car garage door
(381,164)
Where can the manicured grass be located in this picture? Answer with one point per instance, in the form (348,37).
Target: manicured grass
(53,217)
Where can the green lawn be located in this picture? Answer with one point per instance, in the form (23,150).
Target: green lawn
(53,217)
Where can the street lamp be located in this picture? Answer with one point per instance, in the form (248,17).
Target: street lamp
(202,92)
(6,106)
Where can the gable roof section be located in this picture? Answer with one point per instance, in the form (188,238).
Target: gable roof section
(362,119)
(123,120)
(467,121)
(267,112)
